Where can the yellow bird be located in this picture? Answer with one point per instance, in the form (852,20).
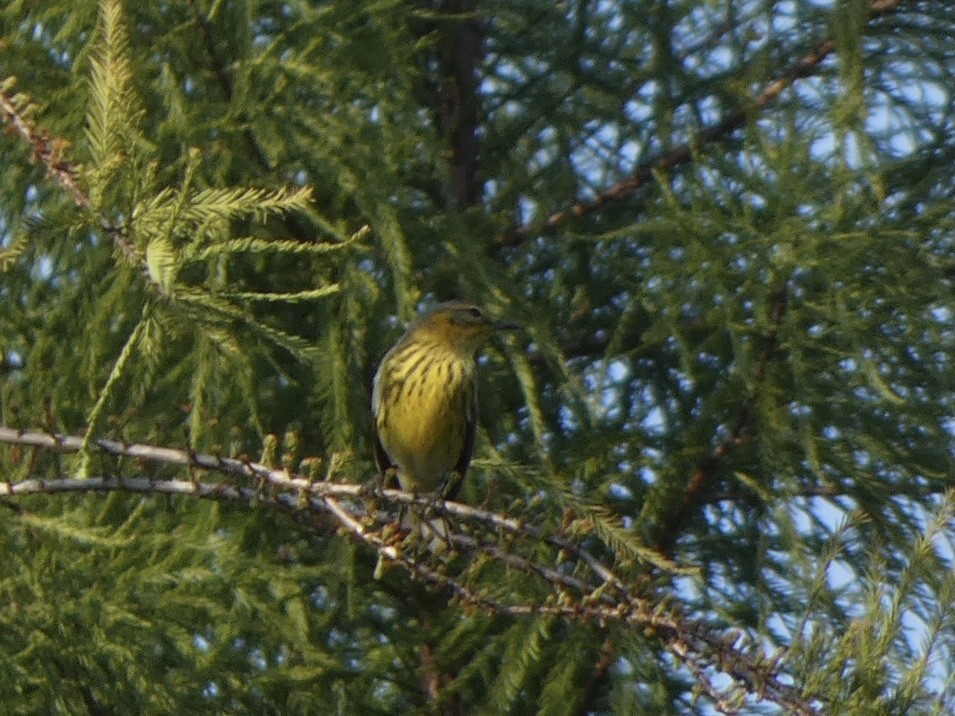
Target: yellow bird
(425,401)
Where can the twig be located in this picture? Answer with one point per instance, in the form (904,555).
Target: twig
(804,67)
(603,596)
(703,475)
(51,152)
(47,150)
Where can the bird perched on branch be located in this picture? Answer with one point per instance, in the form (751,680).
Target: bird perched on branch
(425,399)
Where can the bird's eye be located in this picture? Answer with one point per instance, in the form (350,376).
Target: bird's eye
(475,312)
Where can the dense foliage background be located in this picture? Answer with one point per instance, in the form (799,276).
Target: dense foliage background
(728,230)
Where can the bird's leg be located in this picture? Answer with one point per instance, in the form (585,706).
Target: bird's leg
(371,489)
(435,527)
(370,492)
(451,486)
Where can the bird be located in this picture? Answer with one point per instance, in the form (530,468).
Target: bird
(425,400)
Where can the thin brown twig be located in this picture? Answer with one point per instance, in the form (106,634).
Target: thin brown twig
(218,66)
(688,641)
(283,479)
(226,82)
(699,647)
(51,153)
(321,492)
(598,675)
(296,226)
(46,150)
(804,67)
(704,473)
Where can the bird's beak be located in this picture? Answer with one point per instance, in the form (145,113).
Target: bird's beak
(507,326)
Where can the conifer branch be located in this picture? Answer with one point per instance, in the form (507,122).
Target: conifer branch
(603,596)
(52,152)
(47,150)
(806,66)
(226,83)
(219,66)
(704,473)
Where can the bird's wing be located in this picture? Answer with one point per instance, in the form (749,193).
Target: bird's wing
(386,466)
(453,484)
(382,458)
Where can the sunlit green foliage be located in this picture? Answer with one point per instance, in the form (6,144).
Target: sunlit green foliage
(736,374)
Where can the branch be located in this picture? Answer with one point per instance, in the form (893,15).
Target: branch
(460,53)
(804,67)
(581,587)
(297,227)
(51,153)
(46,150)
(741,433)
(226,83)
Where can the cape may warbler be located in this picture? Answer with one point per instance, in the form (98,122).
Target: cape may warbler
(425,398)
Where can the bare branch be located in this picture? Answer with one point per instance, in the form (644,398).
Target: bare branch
(581,587)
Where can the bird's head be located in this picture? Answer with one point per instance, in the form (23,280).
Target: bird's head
(461,325)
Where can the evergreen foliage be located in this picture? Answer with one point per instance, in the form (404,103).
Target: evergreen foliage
(713,475)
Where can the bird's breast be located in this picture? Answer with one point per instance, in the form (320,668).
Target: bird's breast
(423,414)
